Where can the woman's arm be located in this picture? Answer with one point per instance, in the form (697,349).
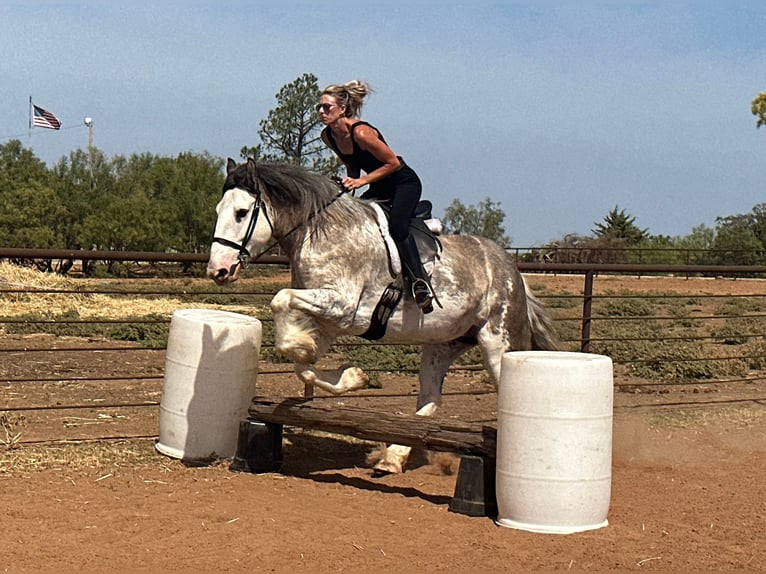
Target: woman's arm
(367,139)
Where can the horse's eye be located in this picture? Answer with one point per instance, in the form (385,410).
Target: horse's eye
(240,214)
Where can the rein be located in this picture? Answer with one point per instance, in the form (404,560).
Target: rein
(241,247)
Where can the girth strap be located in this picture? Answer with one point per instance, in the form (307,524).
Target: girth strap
(384,309)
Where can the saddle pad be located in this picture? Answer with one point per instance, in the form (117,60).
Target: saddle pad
(393,252)
(434,225)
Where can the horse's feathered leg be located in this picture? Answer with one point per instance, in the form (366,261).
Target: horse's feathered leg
(296,313)
(434,362)
(337,382)
(300,337)
(327,304)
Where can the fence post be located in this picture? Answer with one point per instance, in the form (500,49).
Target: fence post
(587,305)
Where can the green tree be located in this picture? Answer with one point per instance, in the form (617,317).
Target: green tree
(198,180)
(758,222)
(85,185)
(693,249)
(737,240)
(697,245)
(619,225)
(29,216)
(20,167)
(758,107)
(655,249)
(291,131)
(130,223)
(485,219)
(185,189)
(574,248)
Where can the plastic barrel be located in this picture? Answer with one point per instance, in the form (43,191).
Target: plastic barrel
(554,443)
(211,366)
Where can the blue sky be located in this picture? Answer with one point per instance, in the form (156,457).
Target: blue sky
(558,111)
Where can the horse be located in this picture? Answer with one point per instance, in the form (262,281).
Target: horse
(339,266)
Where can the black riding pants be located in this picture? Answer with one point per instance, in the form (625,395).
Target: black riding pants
(401,191)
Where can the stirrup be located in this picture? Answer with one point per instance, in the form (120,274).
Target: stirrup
(421,292)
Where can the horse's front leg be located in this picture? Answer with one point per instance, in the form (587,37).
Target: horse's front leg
(334,382)
(305,324)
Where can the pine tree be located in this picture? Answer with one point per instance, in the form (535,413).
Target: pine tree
(619,225)
(291,131)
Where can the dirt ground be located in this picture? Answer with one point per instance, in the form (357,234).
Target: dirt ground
(688,489)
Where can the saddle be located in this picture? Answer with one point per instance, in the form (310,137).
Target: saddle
(425,229)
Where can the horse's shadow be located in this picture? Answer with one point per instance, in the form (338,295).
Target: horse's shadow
(314,457)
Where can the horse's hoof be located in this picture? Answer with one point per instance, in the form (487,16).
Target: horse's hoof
(354,378)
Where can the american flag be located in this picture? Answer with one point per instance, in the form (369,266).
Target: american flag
(44,119)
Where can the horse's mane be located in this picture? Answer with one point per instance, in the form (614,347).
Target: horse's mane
(301,196)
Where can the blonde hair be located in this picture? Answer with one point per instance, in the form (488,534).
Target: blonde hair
(351,95)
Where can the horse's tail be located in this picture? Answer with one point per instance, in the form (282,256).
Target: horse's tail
(544,337)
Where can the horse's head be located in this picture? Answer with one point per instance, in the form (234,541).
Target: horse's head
(243,226)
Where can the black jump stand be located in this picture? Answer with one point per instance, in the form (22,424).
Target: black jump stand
(475,487)
(259,447)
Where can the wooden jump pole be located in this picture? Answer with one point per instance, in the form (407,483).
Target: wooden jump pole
(416,431)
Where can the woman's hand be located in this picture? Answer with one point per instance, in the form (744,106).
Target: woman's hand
(351,183)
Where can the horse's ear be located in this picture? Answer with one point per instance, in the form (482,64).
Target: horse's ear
(230,165)
(251,168)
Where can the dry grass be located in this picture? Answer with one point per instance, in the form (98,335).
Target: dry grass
(9,429)
(80,455)
(731,417)
(84,305)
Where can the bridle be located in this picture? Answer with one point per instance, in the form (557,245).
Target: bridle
(244,254)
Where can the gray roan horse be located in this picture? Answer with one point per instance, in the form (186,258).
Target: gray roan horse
(339,268)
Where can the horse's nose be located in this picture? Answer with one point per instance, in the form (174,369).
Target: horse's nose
(218,275)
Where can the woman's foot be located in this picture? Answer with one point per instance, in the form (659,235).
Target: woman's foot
(423,296)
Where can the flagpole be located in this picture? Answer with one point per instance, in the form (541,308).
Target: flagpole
(88,121)
(30,121)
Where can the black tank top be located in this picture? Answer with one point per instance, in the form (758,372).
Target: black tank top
(358,158)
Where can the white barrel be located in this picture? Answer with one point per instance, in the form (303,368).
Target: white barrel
(211,365)
(554,441)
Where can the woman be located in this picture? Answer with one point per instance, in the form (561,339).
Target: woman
(361,147)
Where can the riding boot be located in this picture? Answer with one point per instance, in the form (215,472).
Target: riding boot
(413,267)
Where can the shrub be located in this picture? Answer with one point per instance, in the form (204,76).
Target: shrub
(627,308)
(729,335)
(150,334)
(681,361)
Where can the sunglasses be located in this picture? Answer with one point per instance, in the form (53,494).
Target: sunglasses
(324,107)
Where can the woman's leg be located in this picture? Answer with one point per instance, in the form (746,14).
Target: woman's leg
(406,197)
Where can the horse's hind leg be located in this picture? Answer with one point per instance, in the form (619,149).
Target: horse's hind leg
(501,334)
(434,362)
(492,347)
